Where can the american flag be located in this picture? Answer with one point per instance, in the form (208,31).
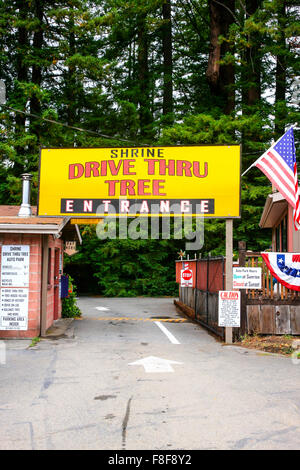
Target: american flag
(278,163)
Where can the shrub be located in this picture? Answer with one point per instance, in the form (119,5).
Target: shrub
(69,307)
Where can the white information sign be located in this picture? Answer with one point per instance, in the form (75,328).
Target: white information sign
(14,309)
(246,278)
(186,276)
(229,308)
(15,266)
(14,285)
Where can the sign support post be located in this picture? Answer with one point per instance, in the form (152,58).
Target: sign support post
(242,262)
(229,272)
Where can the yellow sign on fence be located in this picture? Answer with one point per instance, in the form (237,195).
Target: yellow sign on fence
(150,181)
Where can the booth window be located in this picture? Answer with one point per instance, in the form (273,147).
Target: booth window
(281,235)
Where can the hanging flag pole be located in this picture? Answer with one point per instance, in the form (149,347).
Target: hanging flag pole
(272,145)
(248,169)
(279,165)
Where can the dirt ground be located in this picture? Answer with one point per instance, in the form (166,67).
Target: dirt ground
(285,344)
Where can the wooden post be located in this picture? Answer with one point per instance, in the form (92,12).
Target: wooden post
(229,272)
(242,260)
(44,287)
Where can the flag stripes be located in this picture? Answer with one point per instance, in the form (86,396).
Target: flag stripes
(278,163)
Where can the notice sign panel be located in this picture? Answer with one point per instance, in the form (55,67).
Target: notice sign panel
(149,181)
(246,278)
(186,277)
(14,309)
(15,266)
(229,308)
(14,287)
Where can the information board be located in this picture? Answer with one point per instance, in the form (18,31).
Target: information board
(15,266)
(229,309)
(14,283)
(14,309)
(246,278)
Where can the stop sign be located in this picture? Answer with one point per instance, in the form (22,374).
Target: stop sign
(187,274)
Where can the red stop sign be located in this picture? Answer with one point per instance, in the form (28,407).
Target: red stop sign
(187,274)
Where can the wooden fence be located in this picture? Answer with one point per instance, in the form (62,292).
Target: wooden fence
(271,288)
(273,309)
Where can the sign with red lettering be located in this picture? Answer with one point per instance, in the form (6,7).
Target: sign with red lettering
(149,181)
(229,308)
(186,276)
(14,287)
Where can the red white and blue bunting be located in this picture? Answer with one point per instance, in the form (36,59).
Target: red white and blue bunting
(285,267)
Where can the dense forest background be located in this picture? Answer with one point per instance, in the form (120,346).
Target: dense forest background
(123,73)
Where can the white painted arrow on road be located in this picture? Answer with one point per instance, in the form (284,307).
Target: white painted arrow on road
(155,364)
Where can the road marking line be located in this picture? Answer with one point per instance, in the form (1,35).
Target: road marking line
(102,308)
(139,319)
(167,333)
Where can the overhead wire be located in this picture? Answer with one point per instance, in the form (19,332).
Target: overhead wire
(52,121)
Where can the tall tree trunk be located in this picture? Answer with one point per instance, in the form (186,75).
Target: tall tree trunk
(280,74)
(71,80)
(220,77)
(36,77)
(251,84)
(167,60)
(251,74)
(144,85)
(22,76)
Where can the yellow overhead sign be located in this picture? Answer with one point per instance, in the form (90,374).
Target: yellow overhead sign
(85,221)
(196,180)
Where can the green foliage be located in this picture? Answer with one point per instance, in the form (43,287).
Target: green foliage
(69,307)
(126,267)
(34,341)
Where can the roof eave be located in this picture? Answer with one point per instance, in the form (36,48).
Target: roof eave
(266,211)
(275,206)
(32,228)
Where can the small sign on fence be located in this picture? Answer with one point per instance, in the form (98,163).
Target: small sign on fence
(186,276)
(229,308)
(246,278)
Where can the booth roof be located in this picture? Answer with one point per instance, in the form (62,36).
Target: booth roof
(10,222)
(9,215)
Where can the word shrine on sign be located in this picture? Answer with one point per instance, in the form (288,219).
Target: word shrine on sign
(166,181)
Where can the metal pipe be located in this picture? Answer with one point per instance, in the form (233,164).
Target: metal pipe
(207,287)
(196,272)
(25,209)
